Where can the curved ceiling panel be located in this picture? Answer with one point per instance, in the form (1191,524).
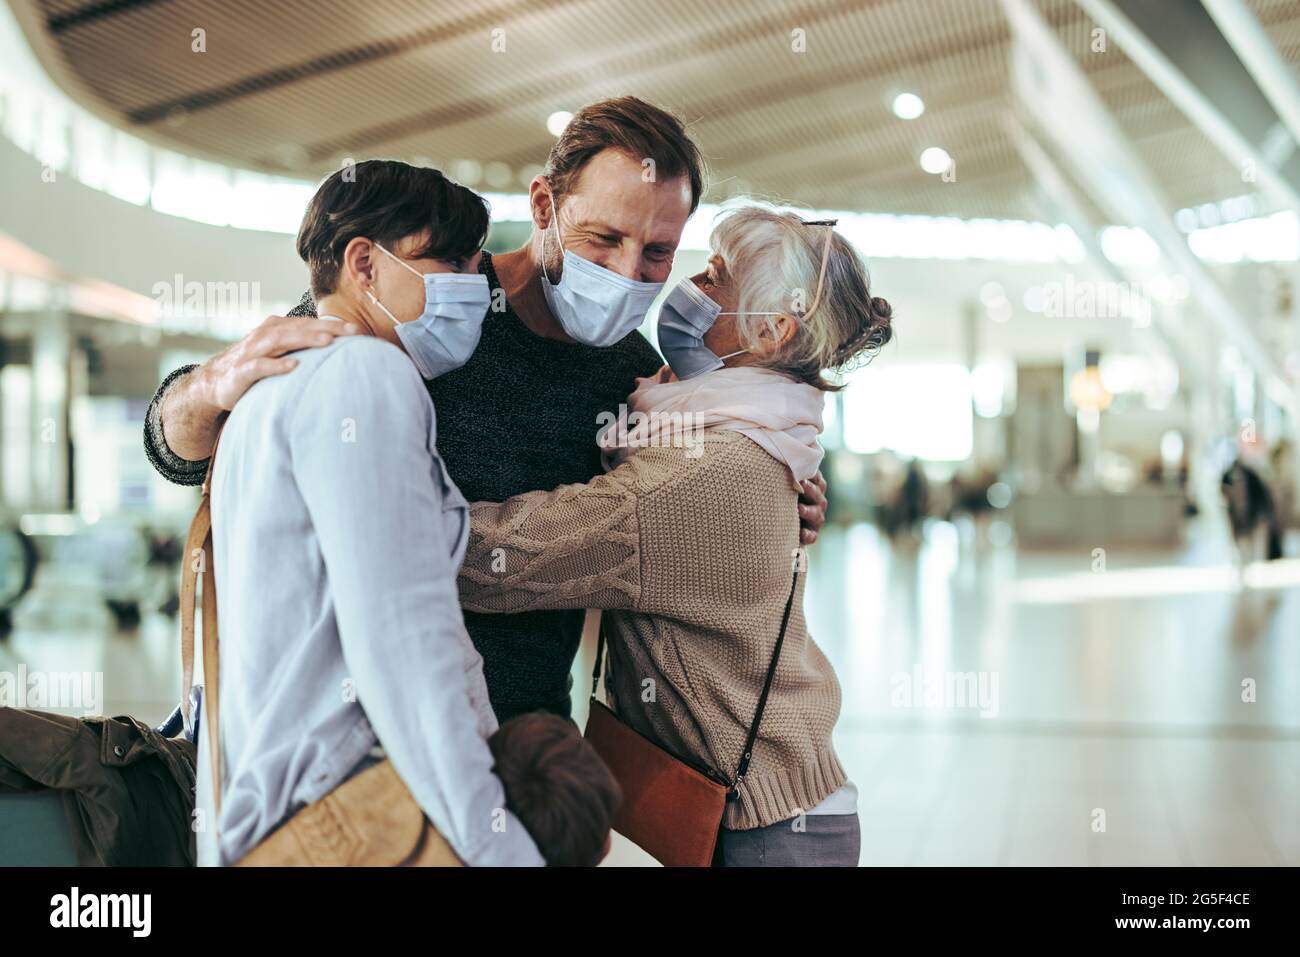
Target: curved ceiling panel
(295,86)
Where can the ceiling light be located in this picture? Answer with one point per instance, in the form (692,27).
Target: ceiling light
(935,159)
(557,121)
(907,106)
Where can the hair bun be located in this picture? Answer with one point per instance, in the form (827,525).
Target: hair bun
(881,308)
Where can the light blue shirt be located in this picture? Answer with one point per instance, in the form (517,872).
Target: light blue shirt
(337,536)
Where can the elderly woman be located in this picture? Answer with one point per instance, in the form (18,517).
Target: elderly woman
(688,542)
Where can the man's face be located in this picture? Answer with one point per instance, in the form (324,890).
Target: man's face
(615,218)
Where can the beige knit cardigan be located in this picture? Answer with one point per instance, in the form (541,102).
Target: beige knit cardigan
(689,552)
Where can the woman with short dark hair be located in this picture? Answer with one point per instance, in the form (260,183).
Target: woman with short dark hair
(337,534)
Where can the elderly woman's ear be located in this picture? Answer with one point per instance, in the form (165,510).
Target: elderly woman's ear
(777,335)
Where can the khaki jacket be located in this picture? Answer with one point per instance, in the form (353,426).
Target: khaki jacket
(127,789)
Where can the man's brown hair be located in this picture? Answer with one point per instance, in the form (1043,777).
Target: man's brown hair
(558,787)
(635,127)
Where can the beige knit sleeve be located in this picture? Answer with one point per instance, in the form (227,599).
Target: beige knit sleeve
(575,547)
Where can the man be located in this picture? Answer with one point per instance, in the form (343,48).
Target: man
(522,414)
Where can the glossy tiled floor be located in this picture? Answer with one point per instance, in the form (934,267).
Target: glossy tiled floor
(1117,734)
(1105,723)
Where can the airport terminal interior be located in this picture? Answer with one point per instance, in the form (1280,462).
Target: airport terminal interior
(1060,576)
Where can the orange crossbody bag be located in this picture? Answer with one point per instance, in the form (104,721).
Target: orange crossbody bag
(671,809)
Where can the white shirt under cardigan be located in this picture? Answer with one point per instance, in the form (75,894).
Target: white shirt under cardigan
(337,536)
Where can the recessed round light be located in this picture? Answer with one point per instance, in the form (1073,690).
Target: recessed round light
(992,293)
(467,171)
(498,175)
(935,159)
(557,121)
(907,106)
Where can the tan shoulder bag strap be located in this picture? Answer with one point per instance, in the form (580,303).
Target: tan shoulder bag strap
(199,561)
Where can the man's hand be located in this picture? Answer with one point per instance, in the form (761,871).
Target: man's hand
(812,509)
(194,403)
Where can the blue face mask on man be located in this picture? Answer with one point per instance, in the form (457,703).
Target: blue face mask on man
(592,304)
(449,328)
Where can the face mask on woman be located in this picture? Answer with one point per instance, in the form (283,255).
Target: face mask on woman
(594,305)
(684,317)
(448,330)
(687,314)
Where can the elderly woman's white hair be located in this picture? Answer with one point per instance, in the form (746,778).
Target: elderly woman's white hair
(774,259)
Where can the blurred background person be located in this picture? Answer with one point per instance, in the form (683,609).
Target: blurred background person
(1252,515)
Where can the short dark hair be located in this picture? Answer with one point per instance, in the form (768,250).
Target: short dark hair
(633,126)
(387,200)
(558,787)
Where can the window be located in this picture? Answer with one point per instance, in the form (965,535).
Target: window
(914,410)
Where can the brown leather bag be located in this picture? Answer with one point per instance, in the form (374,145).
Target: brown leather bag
(670,809)
(370,820)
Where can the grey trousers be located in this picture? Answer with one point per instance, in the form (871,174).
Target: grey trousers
(826,840)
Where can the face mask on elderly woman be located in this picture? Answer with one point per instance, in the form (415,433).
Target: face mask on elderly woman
(684,317)
(688,313)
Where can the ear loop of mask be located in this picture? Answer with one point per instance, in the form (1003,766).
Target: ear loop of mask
(555,221)
(376,300)
(821,279)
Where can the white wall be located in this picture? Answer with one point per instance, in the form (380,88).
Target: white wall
(93,235)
